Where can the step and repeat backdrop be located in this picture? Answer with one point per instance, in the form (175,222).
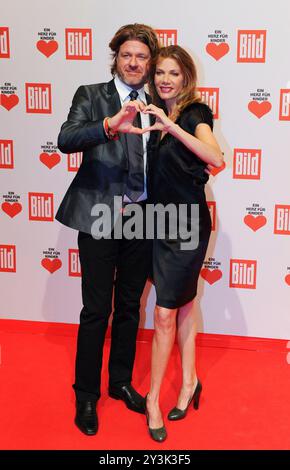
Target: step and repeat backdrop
(241,49)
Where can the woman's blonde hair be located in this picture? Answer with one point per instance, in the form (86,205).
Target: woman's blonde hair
(188,94)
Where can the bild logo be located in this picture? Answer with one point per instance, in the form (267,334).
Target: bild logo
(78,44)
(247,164)
(4,43)
(282,219)
(251,46)
(40,206)
(74,161)
(38,98)
(210,96)
(74,266)
(243,273)
(167,37)
(8,258)
(284,111)
(6,154)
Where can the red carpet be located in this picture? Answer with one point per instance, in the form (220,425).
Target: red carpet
(244,405)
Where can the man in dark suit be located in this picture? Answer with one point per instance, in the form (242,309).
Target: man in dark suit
(113,165)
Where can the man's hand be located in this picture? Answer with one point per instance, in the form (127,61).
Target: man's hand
(123,120)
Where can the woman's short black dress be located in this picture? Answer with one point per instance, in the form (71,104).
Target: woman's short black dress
(176,175)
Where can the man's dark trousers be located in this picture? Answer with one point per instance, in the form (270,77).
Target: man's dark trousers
(105,264)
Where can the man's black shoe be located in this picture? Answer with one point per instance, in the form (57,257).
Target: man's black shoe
(86,417)
(133,400)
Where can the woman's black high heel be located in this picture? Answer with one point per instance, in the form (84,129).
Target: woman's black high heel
(157,434)
(176,414)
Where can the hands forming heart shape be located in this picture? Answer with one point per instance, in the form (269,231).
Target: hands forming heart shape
(123,121)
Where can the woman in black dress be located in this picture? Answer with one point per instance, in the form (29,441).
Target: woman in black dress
(179,163)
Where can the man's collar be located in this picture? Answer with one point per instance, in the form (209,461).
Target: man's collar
(124,89)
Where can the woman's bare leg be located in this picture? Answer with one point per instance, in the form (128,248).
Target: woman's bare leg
(163,340)
(186,333)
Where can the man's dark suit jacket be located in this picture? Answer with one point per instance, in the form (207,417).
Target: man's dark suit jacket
(103,171)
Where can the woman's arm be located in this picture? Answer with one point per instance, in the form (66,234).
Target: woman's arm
(203,143)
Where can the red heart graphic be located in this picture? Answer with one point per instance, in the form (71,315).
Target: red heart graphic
(47,47)
(49,159)
(287,279)
(214,171)
(259,109)
(255,222)
(211,275)
(11,208)
(8,101)
(217,51)
(51,265)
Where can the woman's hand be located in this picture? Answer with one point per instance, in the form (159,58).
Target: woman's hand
(163,123)
(123,120)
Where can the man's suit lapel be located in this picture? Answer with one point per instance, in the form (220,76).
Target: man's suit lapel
(115,106)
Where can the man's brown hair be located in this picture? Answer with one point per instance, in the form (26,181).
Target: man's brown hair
(133,32)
